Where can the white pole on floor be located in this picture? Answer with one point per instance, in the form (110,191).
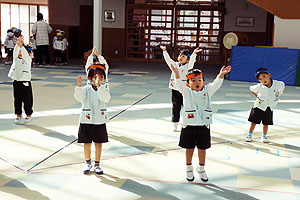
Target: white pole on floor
(97,27)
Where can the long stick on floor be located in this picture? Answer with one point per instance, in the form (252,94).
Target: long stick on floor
(36,164)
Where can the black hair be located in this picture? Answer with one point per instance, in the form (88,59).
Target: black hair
(260,71)
(94,71)
(185,52)
(95,59)
(10,30)
(39,16)
(194,71)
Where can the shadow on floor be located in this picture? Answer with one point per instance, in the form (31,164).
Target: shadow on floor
(52,133)
(134,187)
(17,188)
(141,146)
(225,193)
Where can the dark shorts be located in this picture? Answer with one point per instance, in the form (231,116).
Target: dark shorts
(9,51)
(89,133)
(57,53)
(257,115)
(192,136)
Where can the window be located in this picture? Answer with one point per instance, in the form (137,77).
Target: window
(20,16)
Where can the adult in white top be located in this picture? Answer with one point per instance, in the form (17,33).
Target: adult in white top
(267,94)
(41,30)
(20,73)
(185,63)
(197,115)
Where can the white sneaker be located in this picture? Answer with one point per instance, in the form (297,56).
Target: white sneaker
(6,63)
(202,174)
(175,127)
(98,170)
(264,139)
(248,138)
(189,173)
(87,168)
(27,119)
(18,120)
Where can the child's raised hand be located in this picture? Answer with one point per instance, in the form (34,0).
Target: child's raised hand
(164,48)
(79,80)
(19,42)
(175,70)
(94,52)
(225,70)
(197,50)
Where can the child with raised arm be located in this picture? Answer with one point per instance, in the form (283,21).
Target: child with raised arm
(20,73)
(267,94)
(185,62)
(94,97)
(197,116)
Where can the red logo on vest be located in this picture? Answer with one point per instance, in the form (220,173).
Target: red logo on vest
(190,116)
(88,116)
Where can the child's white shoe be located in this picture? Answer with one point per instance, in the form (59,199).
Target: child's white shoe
(189,173)
(248,138)
(18,120)
(202,174)
(87,168)
(175,127)
(264,139)
(27,119)
(98,170)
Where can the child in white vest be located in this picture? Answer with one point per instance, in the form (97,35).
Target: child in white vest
(94,97)
(185,62)
(197,116)
(20,73)
(267,94)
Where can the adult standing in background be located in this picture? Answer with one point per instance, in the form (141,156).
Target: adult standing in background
(41,30)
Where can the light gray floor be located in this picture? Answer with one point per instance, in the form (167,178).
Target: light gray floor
(142,159)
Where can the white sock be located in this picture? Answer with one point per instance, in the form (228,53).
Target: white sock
(189,172)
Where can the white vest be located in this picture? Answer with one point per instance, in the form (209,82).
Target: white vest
(20,70)
(269,97)
(183,70)
(93,109)
(197,110)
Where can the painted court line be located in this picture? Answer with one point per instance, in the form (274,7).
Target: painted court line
(15,166)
